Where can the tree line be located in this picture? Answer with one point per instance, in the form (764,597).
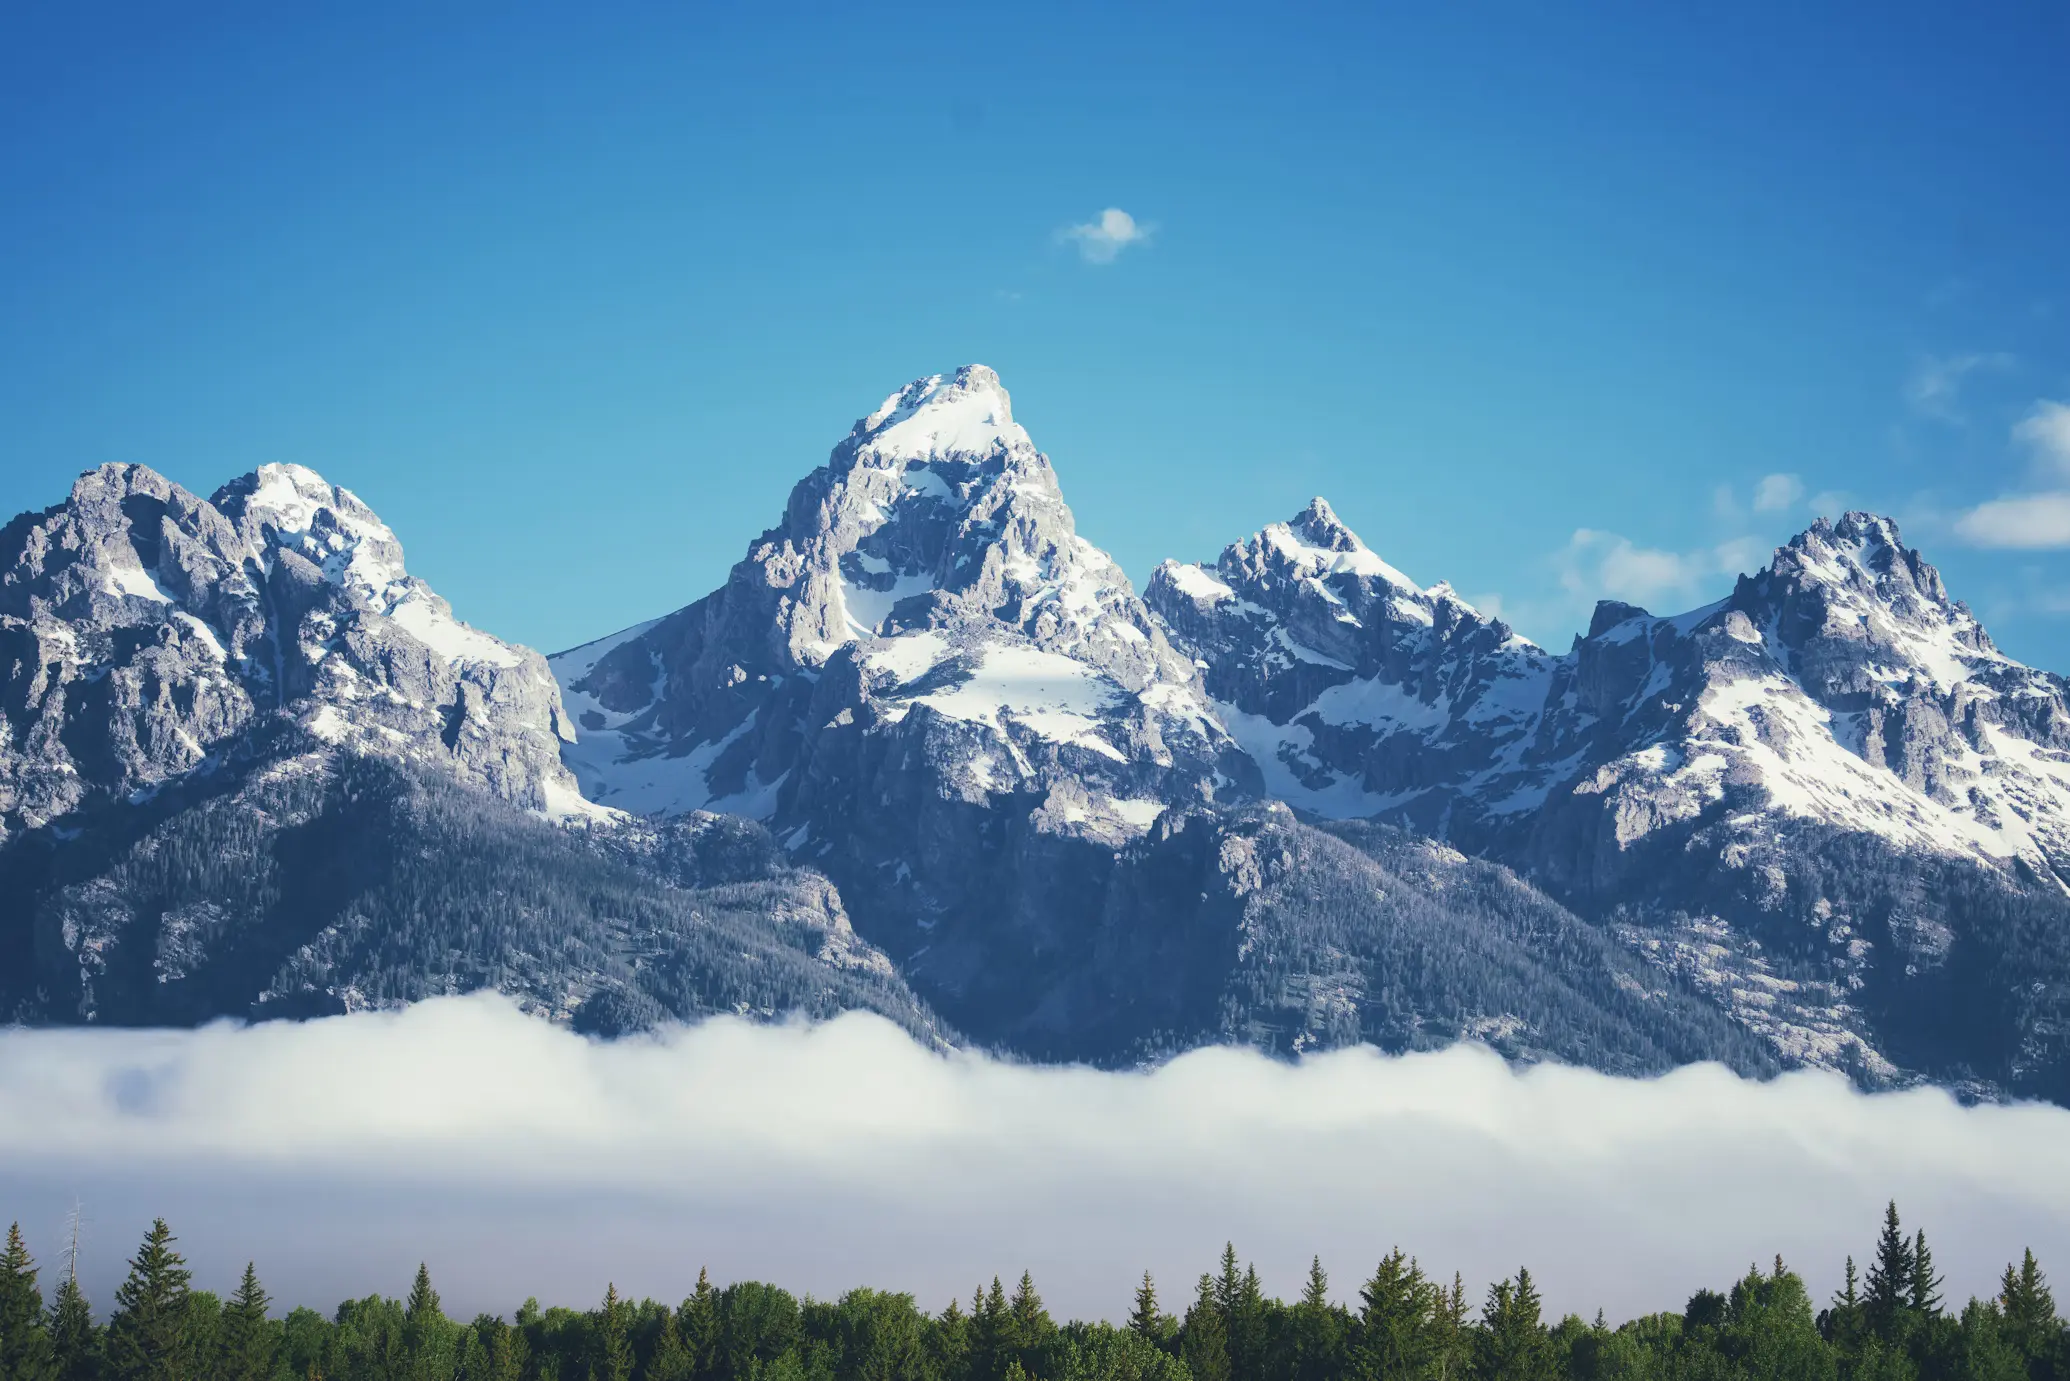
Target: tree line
(1886,1323)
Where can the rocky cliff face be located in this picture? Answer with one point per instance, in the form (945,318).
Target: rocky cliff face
(927,682)
(1356,692)
(250,766)
(1817,799)
(145,631)
(1839,687)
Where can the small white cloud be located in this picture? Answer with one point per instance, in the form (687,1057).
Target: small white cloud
(1100,241)
(1777,493)
(1935,387)
(2045,433)
(1725,504)
(1830,503)
(1595,565)
(2029,522)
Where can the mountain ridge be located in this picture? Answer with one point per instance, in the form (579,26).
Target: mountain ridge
(1288,797)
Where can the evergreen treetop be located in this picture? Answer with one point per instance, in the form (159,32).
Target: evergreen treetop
(147,1333)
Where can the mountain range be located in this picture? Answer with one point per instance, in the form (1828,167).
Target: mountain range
(928,752)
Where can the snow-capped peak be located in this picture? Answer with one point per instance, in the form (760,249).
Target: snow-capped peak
(1316,544)
(936,545)
(1854,584)
(964,414)
(293,508)
(293,498)
(1864,550)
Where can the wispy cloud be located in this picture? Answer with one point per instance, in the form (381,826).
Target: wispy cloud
(1778,493)
(1101,240)
(1934,388)
(2033,521)
(518,1159)
(2045,433)
(1598,565)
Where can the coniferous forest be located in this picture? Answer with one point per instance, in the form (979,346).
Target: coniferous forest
(1889,1322)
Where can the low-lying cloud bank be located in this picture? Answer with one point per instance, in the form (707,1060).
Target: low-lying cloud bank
(521,1160)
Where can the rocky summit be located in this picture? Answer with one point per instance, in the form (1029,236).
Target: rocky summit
(144,632)
(927,752)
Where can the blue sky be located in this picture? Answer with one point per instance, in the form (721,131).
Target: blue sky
(1552,306)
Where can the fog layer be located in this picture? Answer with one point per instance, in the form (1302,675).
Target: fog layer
(518,1159)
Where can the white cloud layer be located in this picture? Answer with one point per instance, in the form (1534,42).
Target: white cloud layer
(1101,240)
(2030,522)
(518,1159)
(2037,521)
(2045,433)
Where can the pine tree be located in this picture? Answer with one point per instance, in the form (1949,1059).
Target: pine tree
(1844,1322)
(248,1339)
(1889,1284)
(612,1355)
(990,1333)
(1144,1320)
(1512,1345)
(1315,1294)
(1246,1327)
(949,1343)
(1452,1343)
(1203,1342)
(25,1346)
(427,1341)
(1229,1284)
(670,1360)
(509,1354)
(1923,1289)
(1391,1338)
(1318,1341)
(75,1342)
(147,1332)
(699,1319)
(2029,1308)
(1029,1327)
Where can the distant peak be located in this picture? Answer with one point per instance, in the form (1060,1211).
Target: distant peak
(298,477)
(1854,526)
(120,477)
(965,413)
(1868,540)
(1862,550)
(294,506)
(1317,543)
(1319,526)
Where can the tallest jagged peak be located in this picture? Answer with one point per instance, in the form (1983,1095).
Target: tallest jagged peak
(967,413)
(1862,549)
(1320,526)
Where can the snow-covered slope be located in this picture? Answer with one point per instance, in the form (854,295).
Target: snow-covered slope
(1356,691)
(145,632)
(1820,800)
(1840,686)
(928,578)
